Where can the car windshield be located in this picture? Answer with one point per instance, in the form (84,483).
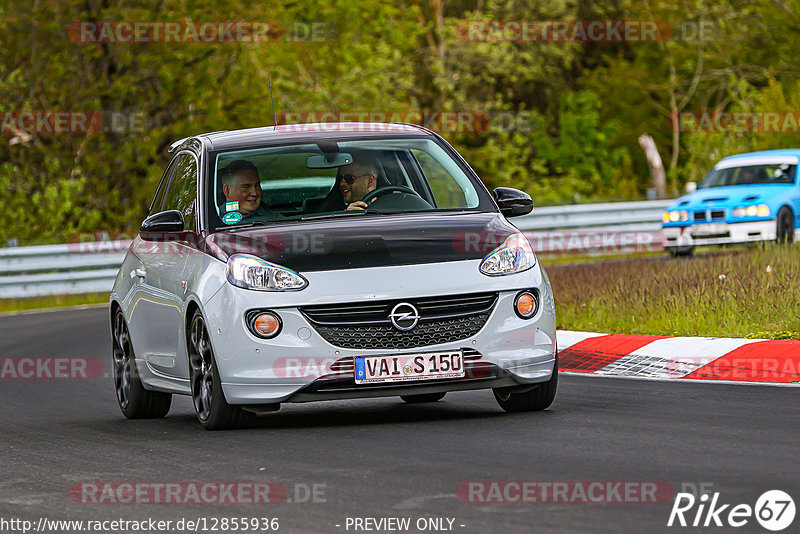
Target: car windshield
(337,179)
(777,173)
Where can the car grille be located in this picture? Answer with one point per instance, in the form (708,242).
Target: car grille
(709,215)
(367,326)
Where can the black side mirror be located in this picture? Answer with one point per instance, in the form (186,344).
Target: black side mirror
(513,202)
(165,221)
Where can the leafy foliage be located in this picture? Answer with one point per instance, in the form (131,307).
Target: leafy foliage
(565,116)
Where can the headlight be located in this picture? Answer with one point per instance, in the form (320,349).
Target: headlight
(761,210)
(251,272)
(675,216)
(513,256)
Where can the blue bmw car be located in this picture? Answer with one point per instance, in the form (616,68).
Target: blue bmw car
(745,198)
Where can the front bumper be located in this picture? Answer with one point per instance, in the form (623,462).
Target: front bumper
(720,234)
(296,365)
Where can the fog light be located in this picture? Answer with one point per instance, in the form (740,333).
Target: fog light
(264,324)
(525,304)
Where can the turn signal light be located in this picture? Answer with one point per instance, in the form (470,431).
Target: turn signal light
(264,324)
(525,305)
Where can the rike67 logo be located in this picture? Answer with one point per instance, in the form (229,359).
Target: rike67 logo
(774,510)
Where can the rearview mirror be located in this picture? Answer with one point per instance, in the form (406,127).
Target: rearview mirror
(165,221)
(513,202)
(327,161)
(691,187)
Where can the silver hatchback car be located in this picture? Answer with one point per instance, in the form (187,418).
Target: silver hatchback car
(328,261)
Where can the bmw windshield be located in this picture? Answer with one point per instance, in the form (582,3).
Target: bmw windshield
(777,173)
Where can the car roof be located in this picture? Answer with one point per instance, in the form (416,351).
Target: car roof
(790,156)
(795,152)
(224,139)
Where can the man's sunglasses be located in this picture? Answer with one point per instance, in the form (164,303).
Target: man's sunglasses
(349,178)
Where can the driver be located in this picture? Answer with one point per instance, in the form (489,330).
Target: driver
(356,181)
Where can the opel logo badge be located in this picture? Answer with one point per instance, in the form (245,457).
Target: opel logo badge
(404,316)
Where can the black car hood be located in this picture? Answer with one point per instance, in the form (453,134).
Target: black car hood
(368,240)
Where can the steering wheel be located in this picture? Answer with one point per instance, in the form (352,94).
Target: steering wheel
(383,191)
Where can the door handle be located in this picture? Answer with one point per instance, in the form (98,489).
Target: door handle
(138,272)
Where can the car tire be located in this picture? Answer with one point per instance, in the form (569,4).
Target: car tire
(534,400)
(785,226)
(133,399)
(425,397)
(679,252)
(212,410)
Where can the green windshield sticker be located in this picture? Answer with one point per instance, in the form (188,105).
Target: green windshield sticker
(232,218)
(232,206)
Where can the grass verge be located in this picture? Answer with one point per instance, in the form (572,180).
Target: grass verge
(55,301)
(749,292)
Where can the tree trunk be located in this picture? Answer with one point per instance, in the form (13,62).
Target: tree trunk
(656,166)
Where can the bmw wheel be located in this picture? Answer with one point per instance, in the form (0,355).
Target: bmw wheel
(678,252)
(785,228)
(134,401)
(213,411)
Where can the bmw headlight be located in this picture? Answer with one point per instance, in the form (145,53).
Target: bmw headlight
(251,272)
(513,256)
(760,210)
(675,216)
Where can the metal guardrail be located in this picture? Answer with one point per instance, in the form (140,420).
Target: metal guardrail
(92,267)
(631,216)
(58,269)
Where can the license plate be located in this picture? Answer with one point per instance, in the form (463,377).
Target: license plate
(406,367)
(709,229)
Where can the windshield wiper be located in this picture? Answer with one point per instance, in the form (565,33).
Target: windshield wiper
(368,211)
(247,225)
(338,214)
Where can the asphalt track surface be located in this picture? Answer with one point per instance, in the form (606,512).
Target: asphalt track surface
(383,458)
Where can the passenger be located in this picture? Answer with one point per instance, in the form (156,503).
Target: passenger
(747,176)
(241,186)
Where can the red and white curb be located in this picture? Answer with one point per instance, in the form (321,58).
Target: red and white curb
(693,358)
